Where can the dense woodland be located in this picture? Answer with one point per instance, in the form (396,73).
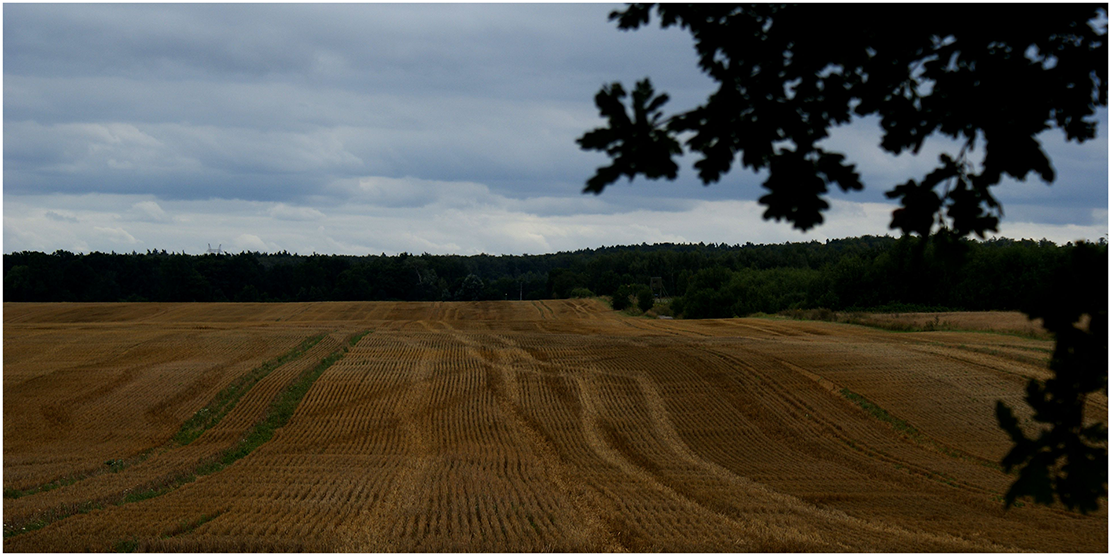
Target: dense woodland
(715,280)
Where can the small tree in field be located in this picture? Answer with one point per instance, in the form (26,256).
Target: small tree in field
(621,298)
(645,299)
(581,293)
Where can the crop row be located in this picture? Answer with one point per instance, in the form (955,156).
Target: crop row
(280,409)
(450,430)
(69,420)
(168,464)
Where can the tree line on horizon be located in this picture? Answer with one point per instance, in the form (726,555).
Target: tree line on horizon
(702,280)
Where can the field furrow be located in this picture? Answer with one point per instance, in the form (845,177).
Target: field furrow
(530,426)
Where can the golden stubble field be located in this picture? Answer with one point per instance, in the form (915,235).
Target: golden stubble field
(509,426)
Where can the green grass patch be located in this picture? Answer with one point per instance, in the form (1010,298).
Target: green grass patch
(148,493)
(17,493)
(112,465)
(277,415)
(211,414)
(356,337)
(860,319)
(204,419)
(12,530)
(868,319)
(282,407)
(126,545)
(881,414)
(912,433)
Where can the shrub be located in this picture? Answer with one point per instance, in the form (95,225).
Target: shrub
(677,306)
(620,299)
(645,299)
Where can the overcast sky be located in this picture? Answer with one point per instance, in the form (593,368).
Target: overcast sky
(359,129)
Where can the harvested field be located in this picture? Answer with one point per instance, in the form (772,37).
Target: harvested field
(509,426)
(998,321)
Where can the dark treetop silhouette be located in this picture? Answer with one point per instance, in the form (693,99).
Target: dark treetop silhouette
(989,76)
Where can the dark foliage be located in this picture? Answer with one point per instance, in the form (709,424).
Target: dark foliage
(714,280)
(621,298)
(786,74)
(645,299)
(994,74)
(1067,458)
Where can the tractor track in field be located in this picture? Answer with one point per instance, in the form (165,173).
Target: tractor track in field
(502,384)
(555,425)
(796,407)
(181,468)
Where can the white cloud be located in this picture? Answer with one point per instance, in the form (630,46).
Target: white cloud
(410,192)
(81,157)
(41,238)
(1057,233)
(251,242)
(261,151)
(497,227)
(149,211)
(115,235)
(1099,217)
(282,211)
(60,216)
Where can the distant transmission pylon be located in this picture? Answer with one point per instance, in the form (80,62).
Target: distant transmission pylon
(219,250)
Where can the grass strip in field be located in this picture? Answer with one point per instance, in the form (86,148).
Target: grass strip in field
(211,414)
(909,431)
(280,411)
(863,319)
(112,465)
(870,319)
(881,414)
(204,419)
(126,545)
(278,414)
(17,493)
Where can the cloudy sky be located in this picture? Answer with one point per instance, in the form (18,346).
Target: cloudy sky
(361,129)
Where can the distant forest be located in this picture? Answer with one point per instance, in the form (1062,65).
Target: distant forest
(714,280)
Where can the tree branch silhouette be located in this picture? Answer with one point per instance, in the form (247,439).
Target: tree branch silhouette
(993,76)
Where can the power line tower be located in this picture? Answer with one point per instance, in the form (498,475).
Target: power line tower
(219,250)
